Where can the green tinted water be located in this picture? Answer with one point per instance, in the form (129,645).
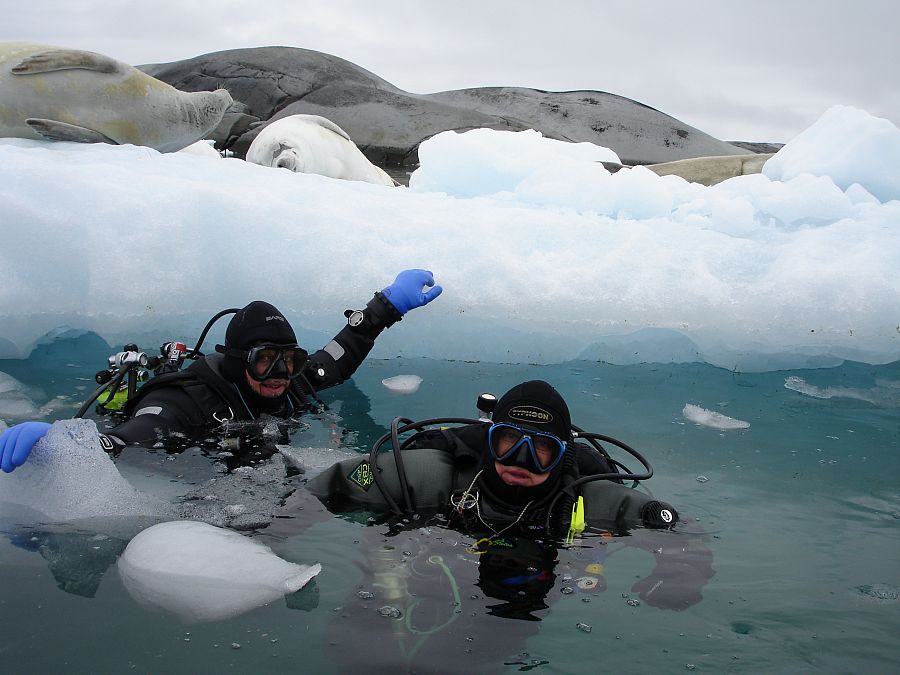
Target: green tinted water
(802,512)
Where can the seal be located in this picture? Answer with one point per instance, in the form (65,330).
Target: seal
(60,94)
(313,144)
(712,170)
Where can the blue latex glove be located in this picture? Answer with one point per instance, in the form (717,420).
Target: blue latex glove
(406,291)
(16,443)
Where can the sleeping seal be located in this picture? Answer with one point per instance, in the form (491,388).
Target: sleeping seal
(313,144)
(71,95)
(711,170)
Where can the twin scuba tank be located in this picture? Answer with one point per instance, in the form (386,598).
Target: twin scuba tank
(130,367)
(127,369)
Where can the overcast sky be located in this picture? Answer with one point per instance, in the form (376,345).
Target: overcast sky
(755,70)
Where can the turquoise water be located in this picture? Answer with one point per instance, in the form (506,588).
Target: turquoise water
(801,512)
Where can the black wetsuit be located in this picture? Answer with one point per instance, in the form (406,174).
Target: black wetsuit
(441,465)
(199,403)
(444,465)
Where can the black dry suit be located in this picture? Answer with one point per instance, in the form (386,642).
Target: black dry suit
(449,467)
(211,399)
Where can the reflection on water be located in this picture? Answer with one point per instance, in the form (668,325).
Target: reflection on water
(802,510)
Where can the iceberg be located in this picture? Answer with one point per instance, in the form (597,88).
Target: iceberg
(542,252)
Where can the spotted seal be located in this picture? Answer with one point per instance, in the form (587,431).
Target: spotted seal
(72,95)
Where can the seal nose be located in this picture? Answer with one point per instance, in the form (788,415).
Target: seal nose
(284,158)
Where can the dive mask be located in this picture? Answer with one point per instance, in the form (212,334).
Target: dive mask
(512,445)
(265,361)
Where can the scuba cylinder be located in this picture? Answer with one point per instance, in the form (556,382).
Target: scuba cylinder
(129,367)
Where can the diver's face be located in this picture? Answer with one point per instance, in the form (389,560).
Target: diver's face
(519,477)
(270,388)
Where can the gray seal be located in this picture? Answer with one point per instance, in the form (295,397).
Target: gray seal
(62,94)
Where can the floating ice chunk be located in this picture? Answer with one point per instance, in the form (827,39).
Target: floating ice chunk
(69,477)
(313,459)
(801,386)
(708,418)
(205,573)
(14,403)
(403,384)
(243,499)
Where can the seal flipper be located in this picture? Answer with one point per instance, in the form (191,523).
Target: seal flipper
(61,131)
(331,126)
(65,59)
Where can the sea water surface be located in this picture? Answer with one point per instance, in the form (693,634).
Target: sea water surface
(801,511)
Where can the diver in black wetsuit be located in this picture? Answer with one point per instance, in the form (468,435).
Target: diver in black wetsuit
(526,472)
(513,486)
(253,389)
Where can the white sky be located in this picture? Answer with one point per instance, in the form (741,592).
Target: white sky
(761,71)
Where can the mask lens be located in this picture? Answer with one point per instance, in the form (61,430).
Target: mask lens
(546,448)
(504,440)
(263,360)
(295,359)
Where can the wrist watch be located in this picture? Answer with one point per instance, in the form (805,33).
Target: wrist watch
(355,317)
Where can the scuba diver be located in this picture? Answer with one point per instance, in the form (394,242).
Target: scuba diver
(524,472)
(466,520)
(259,379)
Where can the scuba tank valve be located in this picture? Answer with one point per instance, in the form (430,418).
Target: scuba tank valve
(486,404)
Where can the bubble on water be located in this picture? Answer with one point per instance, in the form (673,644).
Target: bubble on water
(235,645)
(390,612)
(587,583)
(702,479)
(567,590)
(883,592)
(365,595)
(583,627)
(632,602)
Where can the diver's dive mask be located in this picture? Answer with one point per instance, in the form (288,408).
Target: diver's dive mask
(267,361)
(512,445)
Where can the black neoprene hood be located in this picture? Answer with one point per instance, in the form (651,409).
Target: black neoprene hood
(537,406)
(257,323)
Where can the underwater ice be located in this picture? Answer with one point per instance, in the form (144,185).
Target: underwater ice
(15,404)
(543,254)
(710,418)
(205,573)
